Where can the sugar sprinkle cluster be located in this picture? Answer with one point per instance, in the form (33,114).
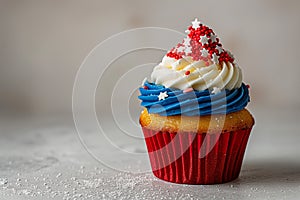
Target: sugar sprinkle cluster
(201,43)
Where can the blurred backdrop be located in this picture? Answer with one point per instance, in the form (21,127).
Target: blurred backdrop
(43,43)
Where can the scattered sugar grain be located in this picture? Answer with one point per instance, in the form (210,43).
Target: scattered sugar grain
(58,175)
(3,181)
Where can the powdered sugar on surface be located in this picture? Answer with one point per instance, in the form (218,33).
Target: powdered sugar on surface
(48,162)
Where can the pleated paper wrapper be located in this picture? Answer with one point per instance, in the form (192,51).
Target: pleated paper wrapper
(192,158)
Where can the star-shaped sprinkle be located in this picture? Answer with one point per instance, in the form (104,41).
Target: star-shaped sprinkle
(196,24)
(162,95)
(188,50)
(215,90)
(204,53)
(215,58)
(220,49)
(213,38)
(203,40)
(186,41)
(200,44)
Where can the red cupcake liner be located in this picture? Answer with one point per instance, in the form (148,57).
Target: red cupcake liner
(175,157)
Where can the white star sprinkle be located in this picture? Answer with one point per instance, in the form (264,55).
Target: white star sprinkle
(196,24)
(162,95)
(204,53)
(188,50)
(215,90)
(187,31)
(220,49)
(203,40)
(215,58)
(180,49)
(213,38)
(186,41)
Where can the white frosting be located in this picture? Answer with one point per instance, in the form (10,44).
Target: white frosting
(171,74)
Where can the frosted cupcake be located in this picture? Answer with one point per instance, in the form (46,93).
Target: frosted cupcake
(195,123)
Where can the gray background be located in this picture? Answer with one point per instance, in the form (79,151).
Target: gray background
(43,43)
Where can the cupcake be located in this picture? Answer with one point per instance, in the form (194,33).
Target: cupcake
(195,123)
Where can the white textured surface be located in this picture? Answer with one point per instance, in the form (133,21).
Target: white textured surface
(43,158)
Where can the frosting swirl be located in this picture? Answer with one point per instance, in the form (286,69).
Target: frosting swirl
(172,73)
(196,77)
(192,103)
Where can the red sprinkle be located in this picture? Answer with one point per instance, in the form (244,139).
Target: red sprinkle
(196,46)
(145,87)
(248,86)
(174,55)
(187,73)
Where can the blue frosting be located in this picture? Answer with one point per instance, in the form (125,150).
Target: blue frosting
(193,103)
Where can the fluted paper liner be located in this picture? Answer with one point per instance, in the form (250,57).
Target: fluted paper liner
(177,160)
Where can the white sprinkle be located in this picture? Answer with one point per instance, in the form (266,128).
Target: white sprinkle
(216,90)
